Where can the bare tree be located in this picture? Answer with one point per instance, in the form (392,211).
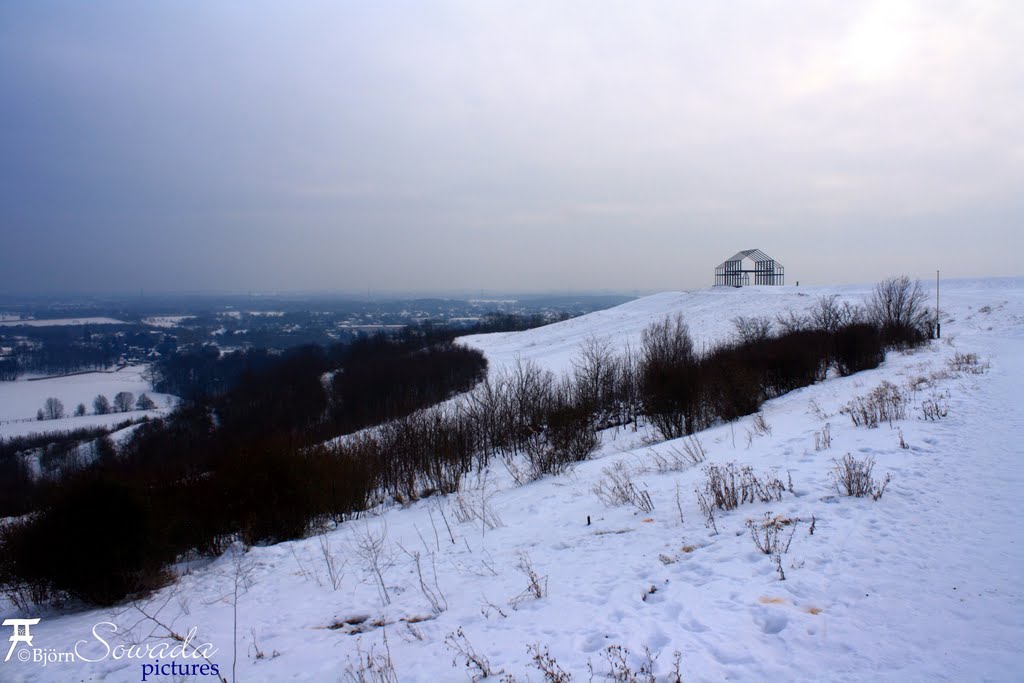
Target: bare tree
(123,401)
(144,402)
(829,315)
(53,409)
(627,386)
(80,410)
(595,370)
(530,390)
(101,405)
(897,306)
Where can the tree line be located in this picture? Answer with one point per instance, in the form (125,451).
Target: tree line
(124,401)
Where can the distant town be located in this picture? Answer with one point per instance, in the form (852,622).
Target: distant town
(38,338)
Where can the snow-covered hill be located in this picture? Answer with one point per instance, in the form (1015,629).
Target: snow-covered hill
(923,584)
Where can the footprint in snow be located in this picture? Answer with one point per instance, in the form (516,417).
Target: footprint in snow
(770,621)
(694,626)
(657,640)
(592,642)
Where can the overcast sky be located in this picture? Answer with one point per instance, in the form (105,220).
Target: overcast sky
(505,145)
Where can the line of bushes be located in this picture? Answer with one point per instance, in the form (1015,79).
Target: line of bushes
(213,473)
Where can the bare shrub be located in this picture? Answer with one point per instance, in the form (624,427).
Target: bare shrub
(694,450)
(917,383)
(477,665)
(853,477)
(258,652)
(769,533)
(488,607)
(371,667)
(829,315)
(520,470)
(761,427)
(753,328)
(777,558)
(536,585)
(679,505)
(335,566)
(617,488)
(967,363)
(474,503)
(816,410)
(792,322)
(563,433)
(886,403)
(729,486)
(543,661)
(668,377)
(936,407)
(431,590)
(823,438)
(150,624)
(676,458)
(371,548)
(619,669)
(856,347)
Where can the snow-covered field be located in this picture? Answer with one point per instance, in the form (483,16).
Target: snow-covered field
(61,322)
(20,400)
(925,583)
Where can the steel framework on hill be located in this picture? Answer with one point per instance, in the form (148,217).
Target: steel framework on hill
(736,271)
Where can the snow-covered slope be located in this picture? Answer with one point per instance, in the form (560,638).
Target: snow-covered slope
(708,312)
(923,584)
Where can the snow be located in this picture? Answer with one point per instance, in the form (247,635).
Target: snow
(20,400)
(922,584)
(59,322)
(166,320)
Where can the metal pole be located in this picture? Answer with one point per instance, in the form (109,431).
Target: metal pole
(938,325)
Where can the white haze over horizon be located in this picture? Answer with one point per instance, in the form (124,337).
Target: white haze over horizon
(505,146)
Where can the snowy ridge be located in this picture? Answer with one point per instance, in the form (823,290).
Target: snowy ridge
(708,312)
(922,584)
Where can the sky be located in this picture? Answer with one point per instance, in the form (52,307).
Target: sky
(506,145)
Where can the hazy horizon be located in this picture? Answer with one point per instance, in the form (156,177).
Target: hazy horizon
(509,147)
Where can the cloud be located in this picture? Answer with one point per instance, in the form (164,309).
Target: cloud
(438,145)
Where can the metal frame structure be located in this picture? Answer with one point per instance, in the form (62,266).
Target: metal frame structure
(766,270)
